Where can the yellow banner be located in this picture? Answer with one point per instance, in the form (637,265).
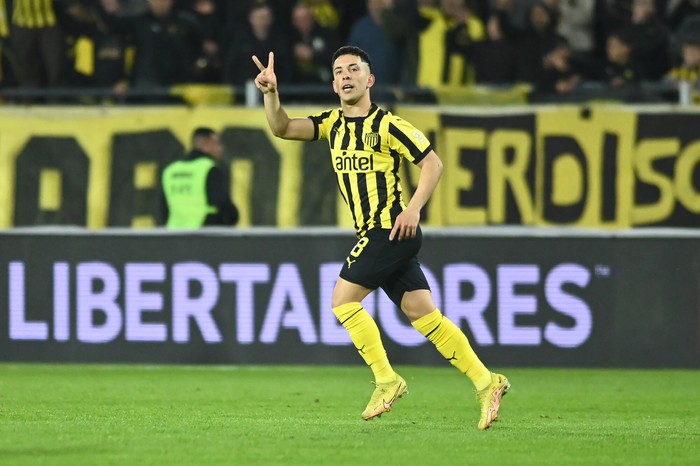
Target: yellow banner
(602,167)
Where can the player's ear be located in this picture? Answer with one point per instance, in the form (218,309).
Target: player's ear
(370,81)
(335,86)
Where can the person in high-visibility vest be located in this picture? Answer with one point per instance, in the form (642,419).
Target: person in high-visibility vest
(196,188)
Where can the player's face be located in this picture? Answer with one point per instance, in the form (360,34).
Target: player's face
(351,78)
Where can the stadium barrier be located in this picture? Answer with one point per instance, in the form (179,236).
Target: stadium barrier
(525,296)
(600,166)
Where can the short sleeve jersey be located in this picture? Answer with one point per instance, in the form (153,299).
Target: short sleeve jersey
(366,153)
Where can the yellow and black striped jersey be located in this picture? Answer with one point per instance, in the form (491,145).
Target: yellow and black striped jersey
(33,13)
(685,73)
(366,153)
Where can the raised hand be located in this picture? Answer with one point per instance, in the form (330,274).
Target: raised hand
(266,80)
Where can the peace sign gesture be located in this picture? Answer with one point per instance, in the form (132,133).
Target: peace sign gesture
(266,80)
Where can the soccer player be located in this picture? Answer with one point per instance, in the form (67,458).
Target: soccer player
(367,144)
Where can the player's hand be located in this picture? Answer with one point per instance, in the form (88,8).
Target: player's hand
(405,226)
(266,80)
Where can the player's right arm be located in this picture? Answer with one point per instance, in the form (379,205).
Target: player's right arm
(281,125)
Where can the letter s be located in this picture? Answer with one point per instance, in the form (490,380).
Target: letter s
(568,304)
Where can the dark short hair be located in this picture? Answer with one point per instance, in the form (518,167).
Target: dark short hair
(624,35)
(203,132)
(692,40)
(352,50)
(257,4)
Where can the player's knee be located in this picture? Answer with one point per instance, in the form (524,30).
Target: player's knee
(416,304)
(337,301)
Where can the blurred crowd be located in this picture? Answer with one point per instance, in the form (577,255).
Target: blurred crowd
(556,46)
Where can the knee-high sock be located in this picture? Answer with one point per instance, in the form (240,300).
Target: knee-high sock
(453,344)
(364,333)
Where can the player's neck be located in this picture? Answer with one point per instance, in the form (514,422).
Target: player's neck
(358,109)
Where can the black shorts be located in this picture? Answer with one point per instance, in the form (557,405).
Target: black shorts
(375,262)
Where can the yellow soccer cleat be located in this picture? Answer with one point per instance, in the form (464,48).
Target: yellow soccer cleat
(490,399)
(384,396)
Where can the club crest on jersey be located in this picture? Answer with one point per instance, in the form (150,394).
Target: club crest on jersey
(371,139)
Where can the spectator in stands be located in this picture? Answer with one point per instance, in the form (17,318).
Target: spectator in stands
(560,75)
(534,43)
(445,44)
(688,69)
(369,34)
(495,59)
(167,43)
(350,12)
(101,58)
(196,189)
(619,13)
(620,70)
(403,23)
(679,11)
(650,40)
(38,43)
(7,62)
(257,39)
(209,15)
(236,13)
(583,24)
(325,12)
(437,37)
(312,47)
(688,26)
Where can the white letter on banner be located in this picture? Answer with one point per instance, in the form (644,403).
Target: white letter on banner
(332,333)
(200,307)
(510,304)
(456,309)
(61,301)
(569,305)
(402,333)
(20,328)
(288,286)
(136,302)
(245,276)
(435,288)
(90,301)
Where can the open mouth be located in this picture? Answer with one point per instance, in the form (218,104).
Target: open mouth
(348,87)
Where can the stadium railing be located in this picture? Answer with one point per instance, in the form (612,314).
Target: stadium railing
(248,95)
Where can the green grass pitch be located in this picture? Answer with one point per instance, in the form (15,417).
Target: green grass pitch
(301,415)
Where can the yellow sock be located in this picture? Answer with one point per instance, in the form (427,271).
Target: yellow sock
(364,333)
(453,344)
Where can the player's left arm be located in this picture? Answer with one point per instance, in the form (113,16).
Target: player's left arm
(406,222)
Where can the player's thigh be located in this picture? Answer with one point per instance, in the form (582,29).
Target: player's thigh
(348,292)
